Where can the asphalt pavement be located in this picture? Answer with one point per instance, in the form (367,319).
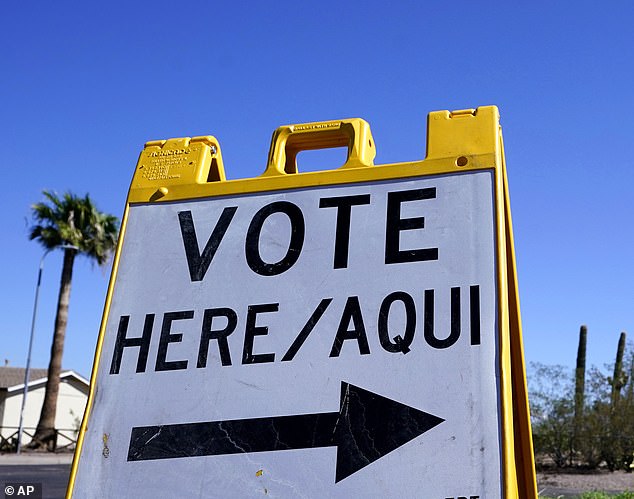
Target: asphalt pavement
(49,470)
(52,472)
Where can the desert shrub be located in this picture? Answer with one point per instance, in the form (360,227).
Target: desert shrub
(552,411)
(602,434)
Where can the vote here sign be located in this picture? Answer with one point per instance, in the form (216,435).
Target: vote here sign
(329,341)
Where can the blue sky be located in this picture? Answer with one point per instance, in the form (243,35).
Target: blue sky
(84,85)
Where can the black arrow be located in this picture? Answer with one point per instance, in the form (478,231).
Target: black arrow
(367,427)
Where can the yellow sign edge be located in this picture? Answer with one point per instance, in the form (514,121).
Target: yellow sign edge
(509,481)
(527,482)
(97,357)
(308,179)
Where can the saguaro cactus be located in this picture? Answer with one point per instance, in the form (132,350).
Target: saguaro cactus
(580,375)
(630,386)
(580,384)
(619,378)
(613,450)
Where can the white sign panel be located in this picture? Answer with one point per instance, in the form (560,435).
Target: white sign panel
(335,341)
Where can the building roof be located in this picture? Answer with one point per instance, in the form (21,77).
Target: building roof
(11,376)
(14,376)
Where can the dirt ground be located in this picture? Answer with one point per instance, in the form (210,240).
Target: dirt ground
(555,484)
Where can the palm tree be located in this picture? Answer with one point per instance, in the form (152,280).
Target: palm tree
(74,224)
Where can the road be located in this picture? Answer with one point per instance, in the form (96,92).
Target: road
(53,477)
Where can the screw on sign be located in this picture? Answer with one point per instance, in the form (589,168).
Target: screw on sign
(343,332)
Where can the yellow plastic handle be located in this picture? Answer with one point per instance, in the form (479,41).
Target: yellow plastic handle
(290,140)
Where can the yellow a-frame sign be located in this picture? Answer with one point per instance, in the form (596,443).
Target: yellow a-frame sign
(323,334)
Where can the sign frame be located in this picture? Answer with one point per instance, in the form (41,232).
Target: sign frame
(460,141)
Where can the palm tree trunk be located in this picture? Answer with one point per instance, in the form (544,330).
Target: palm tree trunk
(45,434)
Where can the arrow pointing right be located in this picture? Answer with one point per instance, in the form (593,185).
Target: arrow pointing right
(367,427)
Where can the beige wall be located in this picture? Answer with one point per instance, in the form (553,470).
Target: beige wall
(70,409)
